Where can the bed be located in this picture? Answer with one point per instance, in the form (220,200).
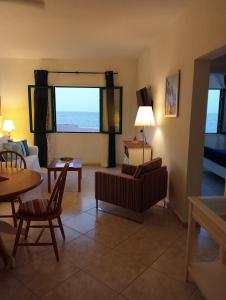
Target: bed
(215,161)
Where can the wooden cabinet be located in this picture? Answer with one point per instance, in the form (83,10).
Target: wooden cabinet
(133,152)
(210,277)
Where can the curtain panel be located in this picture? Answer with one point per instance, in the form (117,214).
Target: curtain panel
(109,77)
(40,114)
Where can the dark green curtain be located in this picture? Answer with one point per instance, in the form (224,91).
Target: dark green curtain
(40,114)
(109,77)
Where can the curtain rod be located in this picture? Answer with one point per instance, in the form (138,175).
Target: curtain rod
(77,72)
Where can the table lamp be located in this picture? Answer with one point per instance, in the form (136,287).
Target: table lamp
(8,126)
(144,118)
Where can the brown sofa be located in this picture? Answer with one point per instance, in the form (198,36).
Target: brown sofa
(135,188)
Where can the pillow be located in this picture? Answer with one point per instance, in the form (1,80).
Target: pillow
(25,147)
(13,146)
(147,167)
(138,172)
(152,165)
(20,147)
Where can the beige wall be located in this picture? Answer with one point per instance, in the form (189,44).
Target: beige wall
(17,74)
(198,31)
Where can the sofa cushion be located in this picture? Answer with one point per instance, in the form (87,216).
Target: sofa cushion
(147,167)
(20,147)
(13,146)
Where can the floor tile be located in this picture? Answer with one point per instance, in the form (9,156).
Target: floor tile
(148,244)
(196,295)
(81,286)
(212,184)
(157,215)
(11,288)
(24,254)
(108,235)
(205,248)
(120,297)
(115,270)
(112,230)
(44,274)
(154,285)
(70,234)
(82,222)
(84,250)
(172,262)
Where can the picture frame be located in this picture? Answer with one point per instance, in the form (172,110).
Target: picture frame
(172,95)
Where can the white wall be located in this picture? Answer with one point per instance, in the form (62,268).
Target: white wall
(17,74)
(198,31)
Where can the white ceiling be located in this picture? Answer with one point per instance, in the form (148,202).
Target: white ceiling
(84,28)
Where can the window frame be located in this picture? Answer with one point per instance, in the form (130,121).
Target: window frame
(53,96)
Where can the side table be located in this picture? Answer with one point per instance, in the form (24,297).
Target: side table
(57,165)
(133,152)
(210,277)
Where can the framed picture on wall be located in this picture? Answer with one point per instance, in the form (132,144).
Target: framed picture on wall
(172,95)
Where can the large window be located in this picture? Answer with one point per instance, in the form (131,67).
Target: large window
(212,111)
(77,109)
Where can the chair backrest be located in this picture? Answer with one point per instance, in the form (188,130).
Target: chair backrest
(12,159)
(57,194)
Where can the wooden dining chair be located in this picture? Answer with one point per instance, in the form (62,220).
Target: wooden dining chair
(43,210)
(11,159)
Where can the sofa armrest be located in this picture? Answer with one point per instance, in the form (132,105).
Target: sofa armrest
(122,190)
(33,150)
(128,169)
(155,186)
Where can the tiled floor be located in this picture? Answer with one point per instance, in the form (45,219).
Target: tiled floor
(212,184)
(104,256)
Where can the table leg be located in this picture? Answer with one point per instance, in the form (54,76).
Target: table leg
(79,180)
(49,181)
(55,175)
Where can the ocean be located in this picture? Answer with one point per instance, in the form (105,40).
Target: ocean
(77,121)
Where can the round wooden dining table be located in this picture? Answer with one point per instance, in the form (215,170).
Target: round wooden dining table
(14,182)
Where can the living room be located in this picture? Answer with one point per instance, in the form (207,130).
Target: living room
(186,31)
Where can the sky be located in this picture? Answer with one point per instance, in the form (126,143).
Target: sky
(213,101)
(77,99)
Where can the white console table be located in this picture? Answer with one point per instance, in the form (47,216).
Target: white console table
(210,277)
(133,152)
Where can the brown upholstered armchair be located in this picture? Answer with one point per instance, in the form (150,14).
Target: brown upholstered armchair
(135,188)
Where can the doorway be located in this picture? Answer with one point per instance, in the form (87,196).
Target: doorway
(214,62)
(214,159)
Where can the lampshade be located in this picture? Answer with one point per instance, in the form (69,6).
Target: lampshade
(145,116)
(8,125)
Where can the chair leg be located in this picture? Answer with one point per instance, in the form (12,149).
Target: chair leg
(14,213)
(17,237)
(27,229)
(96,203)
(61,227)
(53,239)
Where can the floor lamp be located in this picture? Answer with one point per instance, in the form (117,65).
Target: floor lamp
(144,118)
